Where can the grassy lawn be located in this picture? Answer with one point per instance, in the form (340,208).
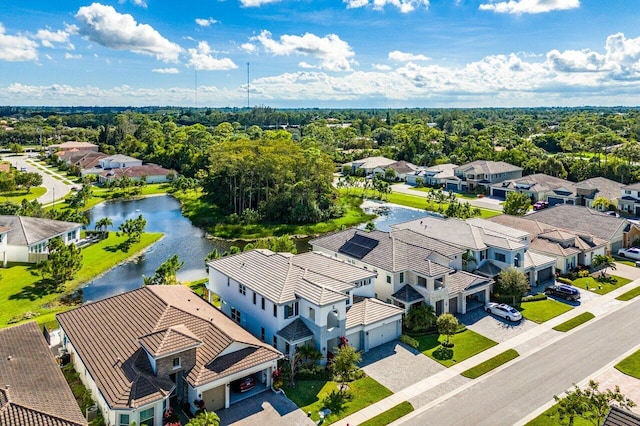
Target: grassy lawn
(543,310)
(574,322)
(630,365)
(600,287)
(466,344)
(551,417)
(309,394)
(18,196)
(624,260)
(23,292)
(490,364)
(390,415)
(464,195)
(99,195)
(625,297)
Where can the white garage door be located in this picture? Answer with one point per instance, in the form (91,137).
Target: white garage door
(355,340)
(382,334)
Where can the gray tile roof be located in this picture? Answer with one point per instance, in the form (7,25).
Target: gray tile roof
(488,167)
(601,187)
(33,390)
(397,251)
(538,182)
(619,417)
(370,311)
(371,162)
(460,281)
(532,227)
(488,269)
(118,363)
(407,294)
(632,187)
(580,220)
(537,260)
(295,332)
(29,230)
(281,278)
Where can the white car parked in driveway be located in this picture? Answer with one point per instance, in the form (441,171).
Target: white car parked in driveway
(502,310)
(631,253)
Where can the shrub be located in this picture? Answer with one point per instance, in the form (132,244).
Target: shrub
(583,273)
(564,280)
(408,340)
(461,328)
(535,297)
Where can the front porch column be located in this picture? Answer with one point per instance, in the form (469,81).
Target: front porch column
(487,295)
(227,396)
(462,303)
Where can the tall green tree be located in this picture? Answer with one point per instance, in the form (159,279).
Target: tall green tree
(166,274)
(62,263)
(590,403)
(516,204)
(133,229)
(512,282)
(103,224)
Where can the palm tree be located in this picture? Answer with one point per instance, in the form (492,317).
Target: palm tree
(604,262)
(103,224)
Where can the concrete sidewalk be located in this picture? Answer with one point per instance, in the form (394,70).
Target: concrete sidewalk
(526,344)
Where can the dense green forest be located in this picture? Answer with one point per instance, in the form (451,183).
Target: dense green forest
(268,164)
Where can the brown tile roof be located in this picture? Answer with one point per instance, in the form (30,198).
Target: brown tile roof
(174,339)
(136,171)
(370,311)
(33,390)
(106,336)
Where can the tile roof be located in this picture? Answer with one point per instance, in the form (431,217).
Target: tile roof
(33,390)
(602,187)
(460,281)
(402,167)
(370,311)
(619,417)
(173,339)
(29,230)
(532,227)
(538,182)
(75,145)
(371,162)
(281,278)
(396,251)
(136,171)
(442,171)
(550,247)
(581,220)
(488,269)
(407,294)
(632,187)
(106,336)
(536,260)
(488,167)
(295,332)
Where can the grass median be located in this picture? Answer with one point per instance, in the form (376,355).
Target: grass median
(390,415)
(630,365)
(490,364)
(574,322)
(631,294)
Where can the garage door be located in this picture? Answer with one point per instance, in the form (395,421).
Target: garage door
(499,193)
(355,340)
(553,201)
(452,187)
(545,275)
(383,334)
(453,305)
(214,398)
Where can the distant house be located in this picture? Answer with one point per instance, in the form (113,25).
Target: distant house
(401,168)
(630,199)
(306,299)
(151,173)
(481,174)
(73,146)
(118,161)
(146,349)
(34,392)
(433,176)
(82,159)
(538,187)
(368,165)
(28,238)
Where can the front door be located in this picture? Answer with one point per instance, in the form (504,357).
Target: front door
(439,307)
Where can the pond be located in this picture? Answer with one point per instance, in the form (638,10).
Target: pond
(180,237)
(391,214)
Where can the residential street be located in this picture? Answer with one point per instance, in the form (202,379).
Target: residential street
(512,393)
(53,186)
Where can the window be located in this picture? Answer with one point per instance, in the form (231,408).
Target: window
(287,348)
(235,315)
(312,314)
(263,303)
(242,289)
(499,257)
(262,333)
(388,279)
(401,277)
(291,310)
(146,417)
(176,363)
(255,297)
(275,310)
(124,420)
(516,260)
(275,342)
(228,281)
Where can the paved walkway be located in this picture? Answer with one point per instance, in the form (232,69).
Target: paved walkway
(525,343)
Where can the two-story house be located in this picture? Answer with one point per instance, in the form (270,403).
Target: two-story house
(411,268)
(292,300)
(630,199)
(481,174)
(141,351)
(433,176)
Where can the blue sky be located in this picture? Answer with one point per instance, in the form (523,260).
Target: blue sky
(323,53)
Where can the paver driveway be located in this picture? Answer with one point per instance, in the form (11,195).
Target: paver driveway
(493,327)
(397,366)
(266,408)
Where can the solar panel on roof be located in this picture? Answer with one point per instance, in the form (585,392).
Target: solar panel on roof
(364,241)
(358,246)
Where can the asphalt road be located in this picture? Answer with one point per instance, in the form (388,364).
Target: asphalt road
(511,394)
(53,186)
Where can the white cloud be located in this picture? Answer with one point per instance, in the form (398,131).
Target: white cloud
(575,60)
(17,48)
(201,59)
(48,38)
(249,47)
(205,22)
(70,56)
(256,3)
(166,70)
(405,6)
(140,3)
(306,65)
(399,56)
(381,67)
(103,25)
(334,54)
(519,7)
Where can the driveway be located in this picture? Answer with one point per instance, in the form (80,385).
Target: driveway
(625,271)
(266,408)
(494,328)
(53,186)
(397,366)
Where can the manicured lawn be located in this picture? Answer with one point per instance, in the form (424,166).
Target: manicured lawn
(630,365)
(551,417)
(18,196)
(390,415)
(629,295)
(466,344)
(490,364)
(592,284)
(574,322)
(543,310)
(309,394)
(22,290)
(624,261)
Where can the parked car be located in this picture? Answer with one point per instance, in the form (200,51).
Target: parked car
(564,291)
(503,310)
(244,384)
(539,205)
(631,253)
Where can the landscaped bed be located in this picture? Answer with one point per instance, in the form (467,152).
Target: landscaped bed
(574,322)
(490,364)
(309,396)
(543,310)
(630,365)
(600,287)
(390,415)
(466,344)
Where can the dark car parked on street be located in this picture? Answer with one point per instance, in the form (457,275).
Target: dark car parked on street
(564,291)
